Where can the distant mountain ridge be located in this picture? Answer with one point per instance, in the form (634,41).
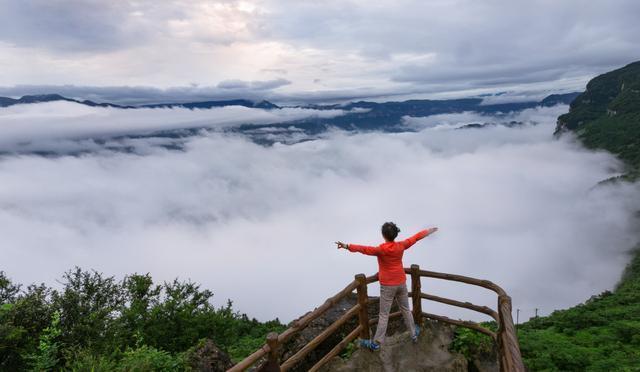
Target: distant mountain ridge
(388,116)
(411,107)
(39,98)
(210,104)
(358,116)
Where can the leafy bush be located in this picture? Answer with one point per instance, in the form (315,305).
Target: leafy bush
(147,358)
(96,323)
(47,355)
(471,343)
(601,334)
(83,361)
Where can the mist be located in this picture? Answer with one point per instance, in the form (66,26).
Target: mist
(45,125)
(256,224)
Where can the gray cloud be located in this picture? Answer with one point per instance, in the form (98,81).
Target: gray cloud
(69,25)
(478,43)
(513,205)
(253,85)
(350,46)
(279,71)
(77,26)
(136,95)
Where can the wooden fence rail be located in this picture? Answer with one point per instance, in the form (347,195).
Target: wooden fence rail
(505,336)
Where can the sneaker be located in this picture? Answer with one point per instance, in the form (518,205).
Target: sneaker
(371,345)
(414,338)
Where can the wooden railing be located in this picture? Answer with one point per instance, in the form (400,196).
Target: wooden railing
(505,336)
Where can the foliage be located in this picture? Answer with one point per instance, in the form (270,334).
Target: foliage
(147,358)
(8,290)
(604,332)
(46,357)
(471,343)
(253,336)
(21,322)
(96,323)
(601,334)
(83,360)
(348,350)
(89,305)
(607,115)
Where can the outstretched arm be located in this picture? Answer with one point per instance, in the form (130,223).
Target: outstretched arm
(364,249)
(422,234)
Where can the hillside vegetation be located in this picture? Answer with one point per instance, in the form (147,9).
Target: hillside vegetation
(95,323)
(602,334)
(607,115)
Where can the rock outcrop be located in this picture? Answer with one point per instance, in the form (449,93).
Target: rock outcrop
(431,353)
(399,353)
(207,357)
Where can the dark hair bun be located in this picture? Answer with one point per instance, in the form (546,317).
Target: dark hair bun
(390,231)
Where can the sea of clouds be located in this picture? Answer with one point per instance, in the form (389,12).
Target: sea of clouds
(61,125)
(256,224)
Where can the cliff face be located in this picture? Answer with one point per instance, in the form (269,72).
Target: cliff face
(607,115)
(613,93)
(602,333)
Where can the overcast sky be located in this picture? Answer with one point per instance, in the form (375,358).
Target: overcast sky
(145,50)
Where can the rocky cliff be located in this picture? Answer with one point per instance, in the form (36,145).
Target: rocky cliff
(607,115)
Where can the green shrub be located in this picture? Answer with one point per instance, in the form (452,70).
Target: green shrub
(147,358)
(94,323)
(47,355)
(602,334)
(471,343)
(84,361)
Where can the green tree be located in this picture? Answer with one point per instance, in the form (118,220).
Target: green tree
(89,305)
(140,296)
(95,323)
(8,290)
(47,355)
(181,318)
(21,322)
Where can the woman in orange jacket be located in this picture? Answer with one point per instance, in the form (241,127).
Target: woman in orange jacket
(392,278)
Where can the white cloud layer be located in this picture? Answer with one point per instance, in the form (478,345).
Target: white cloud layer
(256,224)
(34,126)
(457,120)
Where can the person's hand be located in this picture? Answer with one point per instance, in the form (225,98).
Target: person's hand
(431,230)
(342,245)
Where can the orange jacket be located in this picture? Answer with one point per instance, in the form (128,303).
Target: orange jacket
(391,271)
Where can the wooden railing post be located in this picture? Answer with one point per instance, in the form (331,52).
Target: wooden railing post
(273,365)
(510,359)
(416,290)
(363,301)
